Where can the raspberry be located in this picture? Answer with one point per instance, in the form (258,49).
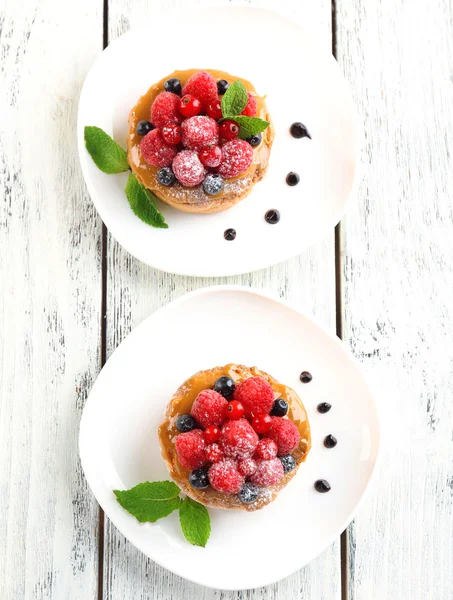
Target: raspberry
(237,156)
(198,132)
(188,169)
(214,453)
(247,467)
(203,86)
(155,151)
(285,434)
(190,449)
(266,449)
(250,109)
(238,439)
(255,394)
(268,472)
(225,477)
(165,109)
(208,408)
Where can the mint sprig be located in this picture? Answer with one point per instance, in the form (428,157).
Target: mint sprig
(195,522)
(141,201)
(108,156)
(249,126)
(233,103)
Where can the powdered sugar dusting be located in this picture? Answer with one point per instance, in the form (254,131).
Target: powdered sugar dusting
(237,156)
(188,168)
(199,131)
(268,472)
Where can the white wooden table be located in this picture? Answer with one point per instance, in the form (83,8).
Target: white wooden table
(70,294)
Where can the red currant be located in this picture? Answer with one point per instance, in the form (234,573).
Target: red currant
(215,110)
(234,410)
(189,106)
(210,156)
(228,130)
(214,453)
(261,422)
(172,134)
(212,434)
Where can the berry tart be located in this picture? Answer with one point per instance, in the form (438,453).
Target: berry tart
(200,140)
(233,437)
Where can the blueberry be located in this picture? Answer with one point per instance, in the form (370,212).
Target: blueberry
(144,127)
(185,423)
(272,216)
(166,176)
(298,130)
(249,493)
(222,86)
(255,140)
(199,479)
(280,408)
(229,234)
(330,441)
(288,462)
(324,407)
(213,184)
(322,486)
(225,386)
(305,377)
(292,178)
(173,85)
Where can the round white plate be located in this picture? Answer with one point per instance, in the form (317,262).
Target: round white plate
(302,82)
(214,326)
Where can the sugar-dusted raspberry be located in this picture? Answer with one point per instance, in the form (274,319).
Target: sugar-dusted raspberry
(267,449)
(268,472)
(214,453)
(198,132)
(238,440)
(225,477)
(208,408)
(237,156)
(165,109)
(188,169)
(155,151)
(256,395)
(203,86)
(247,466)
(250,109)
(190,448)
(285,434)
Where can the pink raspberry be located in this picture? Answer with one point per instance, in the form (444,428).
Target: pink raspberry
(250,109)
(237,156)
(214,453)
(238,440)
(188,169)
(247,466)
(225,477)
(268,472)
(155,151)
(267,449)
(165,109)
(199,131)
(285,434)
(209,408)
(203,86)
(190,449)
(256,395)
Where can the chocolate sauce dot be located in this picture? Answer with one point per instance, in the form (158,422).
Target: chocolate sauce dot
(298,130)
(272,216)
(330,441)
(305,377)
(229,234)
(324,407)
(292,178)
(322,486)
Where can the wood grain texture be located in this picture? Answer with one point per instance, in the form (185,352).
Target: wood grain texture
(397,268)
(50,302)
(135,290)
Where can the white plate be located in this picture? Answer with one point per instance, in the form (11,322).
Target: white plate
(302,83)
(119,445)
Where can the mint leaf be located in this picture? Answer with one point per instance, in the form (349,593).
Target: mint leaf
(148,502)
(141,201)
(234,100)
(195,522)
(106,153)
(249,126)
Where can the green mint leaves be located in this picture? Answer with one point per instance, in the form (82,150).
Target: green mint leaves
(233,103)
(141,201)
(195,522)
(149,502)
(106,153)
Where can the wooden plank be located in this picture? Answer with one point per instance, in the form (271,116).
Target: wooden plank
(134,291)
(50,294)
(397,265)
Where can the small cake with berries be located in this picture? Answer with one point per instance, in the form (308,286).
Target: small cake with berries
(200,140)
(233,437)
